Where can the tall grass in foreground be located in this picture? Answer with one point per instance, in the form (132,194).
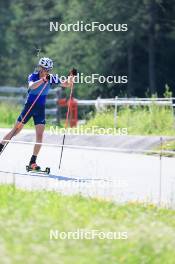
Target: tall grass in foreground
(9,114)
(27,217)
(153,120)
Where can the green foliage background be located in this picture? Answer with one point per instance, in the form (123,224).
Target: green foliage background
(24,26)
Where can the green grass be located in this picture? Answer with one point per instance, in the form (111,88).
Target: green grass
(138,121)
(151,120)
(26,219)
(168,145)
(9,114)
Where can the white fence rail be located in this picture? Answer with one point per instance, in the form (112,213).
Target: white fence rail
(18,95)
(127,101)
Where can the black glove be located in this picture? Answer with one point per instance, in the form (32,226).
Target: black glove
(48,77)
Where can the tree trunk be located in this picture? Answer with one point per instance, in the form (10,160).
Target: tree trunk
(130,70)
(151,47)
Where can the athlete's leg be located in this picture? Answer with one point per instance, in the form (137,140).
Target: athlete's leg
(14,131)
(39,121)
(39,138)
(17,127)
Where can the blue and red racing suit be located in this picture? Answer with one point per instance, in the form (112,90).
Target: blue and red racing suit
(38,110)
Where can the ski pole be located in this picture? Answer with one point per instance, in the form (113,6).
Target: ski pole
(21,122)
(66,124)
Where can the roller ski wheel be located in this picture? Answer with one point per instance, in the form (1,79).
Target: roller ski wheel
(37,169)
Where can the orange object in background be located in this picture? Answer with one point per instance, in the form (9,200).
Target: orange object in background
(73,110)
(62,102)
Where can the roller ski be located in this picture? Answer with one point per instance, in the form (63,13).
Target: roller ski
(36,169)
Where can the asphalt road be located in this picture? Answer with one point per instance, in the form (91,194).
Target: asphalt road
(106,174)
(131,143)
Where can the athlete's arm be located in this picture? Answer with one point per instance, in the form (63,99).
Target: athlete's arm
(35,85)
(70,80)
(66,84)
(69,83)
